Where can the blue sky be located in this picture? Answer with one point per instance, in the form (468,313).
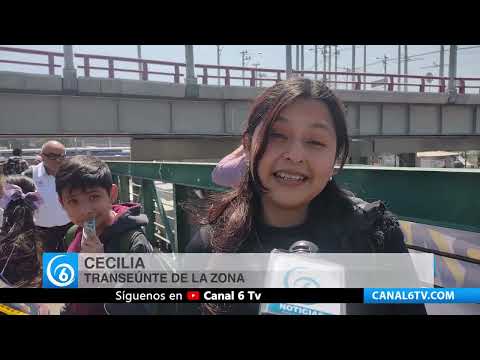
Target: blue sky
(268,56)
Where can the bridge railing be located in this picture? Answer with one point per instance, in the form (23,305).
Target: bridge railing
(114,67)
(438,208)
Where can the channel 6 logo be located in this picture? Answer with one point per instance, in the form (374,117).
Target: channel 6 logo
(60,270)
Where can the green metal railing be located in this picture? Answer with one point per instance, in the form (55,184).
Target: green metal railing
(442,197)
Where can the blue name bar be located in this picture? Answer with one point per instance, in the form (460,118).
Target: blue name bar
(421,295)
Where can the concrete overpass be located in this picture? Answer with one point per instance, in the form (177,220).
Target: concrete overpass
(176,121)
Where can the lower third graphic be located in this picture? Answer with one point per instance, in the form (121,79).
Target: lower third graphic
(60,270)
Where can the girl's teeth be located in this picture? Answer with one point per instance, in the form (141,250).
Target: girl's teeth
(290,177)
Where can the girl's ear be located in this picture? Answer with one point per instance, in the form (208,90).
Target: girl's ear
(114,193)
(246,141)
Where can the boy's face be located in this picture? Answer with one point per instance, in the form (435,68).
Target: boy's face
(82,205)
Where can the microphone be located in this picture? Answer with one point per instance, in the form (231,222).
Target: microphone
(295,269)
(303,246)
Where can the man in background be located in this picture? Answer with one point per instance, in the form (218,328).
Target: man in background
(50,217)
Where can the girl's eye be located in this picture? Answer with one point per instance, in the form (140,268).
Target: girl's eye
(316,143)
(277,135)
(72,202)
(94,197)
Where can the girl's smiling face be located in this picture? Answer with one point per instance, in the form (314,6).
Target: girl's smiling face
(300,156)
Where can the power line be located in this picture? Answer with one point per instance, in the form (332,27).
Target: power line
(422,54)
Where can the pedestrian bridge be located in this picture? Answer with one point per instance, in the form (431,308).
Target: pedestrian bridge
(166,118)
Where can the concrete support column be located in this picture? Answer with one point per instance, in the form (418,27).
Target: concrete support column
(70,82)
(191,89)
(189,61)
(452,71)
(288,56)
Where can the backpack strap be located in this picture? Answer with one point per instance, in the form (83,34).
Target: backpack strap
(374,217)
(127,240)
(69,236)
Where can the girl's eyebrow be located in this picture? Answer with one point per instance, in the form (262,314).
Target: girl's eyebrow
(313,125)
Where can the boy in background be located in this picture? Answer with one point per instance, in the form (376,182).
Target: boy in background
(86,191)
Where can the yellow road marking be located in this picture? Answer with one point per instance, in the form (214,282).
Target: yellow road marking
(455,268)
(10,311)
(407,230)
(473,253)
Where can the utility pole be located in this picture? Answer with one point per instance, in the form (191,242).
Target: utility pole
(297,55)
(384,61)
(399,62)
(190,65)
(336,58)
(452,71)
(245,59)
(353,67)
(364,67)
(324,63)
(139,56)
(70,82)
(255,72)
(329,63)
(405,67)
(288,50)
(302,59)
(442,61)
(316,61)
(219,52)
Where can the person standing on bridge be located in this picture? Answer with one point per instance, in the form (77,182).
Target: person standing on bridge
(50,218)
(15,164)
(296,132)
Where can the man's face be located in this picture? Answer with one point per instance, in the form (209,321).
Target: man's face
(95,202)
(52,156)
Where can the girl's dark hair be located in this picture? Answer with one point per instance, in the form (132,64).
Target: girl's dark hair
(26,184)
(231,214)
(20,243)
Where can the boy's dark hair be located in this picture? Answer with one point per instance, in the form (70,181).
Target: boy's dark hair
(83,172)
(17,152)
(24,182)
